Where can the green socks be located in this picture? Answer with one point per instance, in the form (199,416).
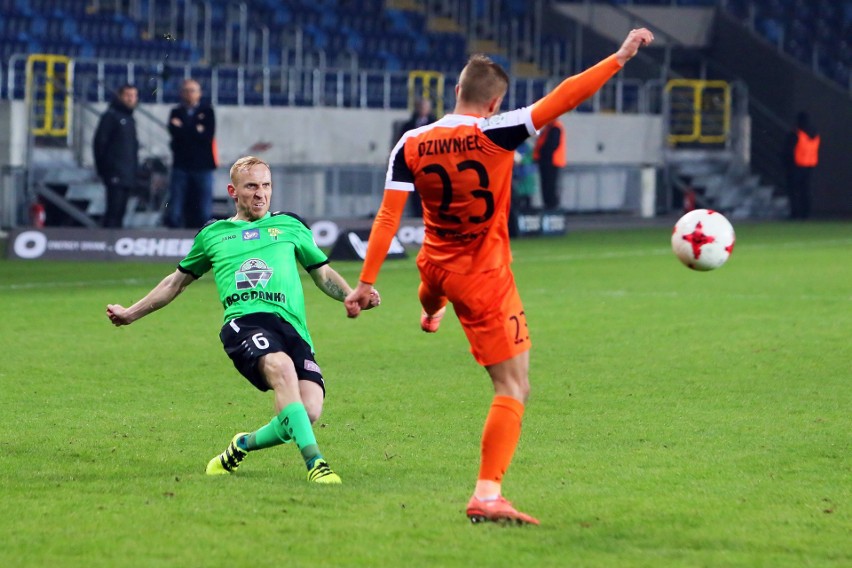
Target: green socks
(267,436)
(291,424)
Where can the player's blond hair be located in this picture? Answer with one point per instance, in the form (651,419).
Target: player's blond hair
(482,80)
(244,164)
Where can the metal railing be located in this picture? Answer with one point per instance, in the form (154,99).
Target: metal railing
(158,82)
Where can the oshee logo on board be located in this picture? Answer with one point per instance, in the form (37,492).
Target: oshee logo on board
(78,243)
(95,244)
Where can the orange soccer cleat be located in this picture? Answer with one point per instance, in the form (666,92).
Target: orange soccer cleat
(497,511)
(430,324)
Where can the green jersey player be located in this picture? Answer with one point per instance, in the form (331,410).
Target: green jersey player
(254,257)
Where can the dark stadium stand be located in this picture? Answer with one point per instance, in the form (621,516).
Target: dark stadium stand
(379,35)
(345,34)
(817,33)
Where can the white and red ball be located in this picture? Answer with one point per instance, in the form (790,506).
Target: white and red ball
(703,239)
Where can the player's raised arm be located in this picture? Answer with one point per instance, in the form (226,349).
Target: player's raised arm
(577,88)
(160,296)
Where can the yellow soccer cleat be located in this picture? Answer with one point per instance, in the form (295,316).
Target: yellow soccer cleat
(229,460)
(321,473)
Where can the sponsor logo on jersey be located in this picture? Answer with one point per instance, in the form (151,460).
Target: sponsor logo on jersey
(227,238)
(251,234)
(496,120)
(252,272)
(274,232)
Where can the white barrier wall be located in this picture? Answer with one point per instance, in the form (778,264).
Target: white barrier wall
(318,136)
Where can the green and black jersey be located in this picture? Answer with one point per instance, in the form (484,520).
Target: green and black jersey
(254,264)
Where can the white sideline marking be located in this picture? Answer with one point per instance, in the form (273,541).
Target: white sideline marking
(667,250)
(77,284)
(518,259)
(674,294)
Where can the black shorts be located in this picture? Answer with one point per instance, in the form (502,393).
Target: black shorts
(246,339)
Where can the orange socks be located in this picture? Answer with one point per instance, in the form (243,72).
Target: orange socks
(499,440)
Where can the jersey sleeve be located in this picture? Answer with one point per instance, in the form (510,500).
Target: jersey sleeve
(399,175)
(510,129)
(309,255)
(385,226)
(196,262)
(573,91)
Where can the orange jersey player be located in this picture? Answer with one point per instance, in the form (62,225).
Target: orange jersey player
(461,166)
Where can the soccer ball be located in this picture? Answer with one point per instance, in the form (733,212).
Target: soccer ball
(703,239)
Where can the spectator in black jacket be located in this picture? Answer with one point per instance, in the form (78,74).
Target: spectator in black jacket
(116,153)
(192,126)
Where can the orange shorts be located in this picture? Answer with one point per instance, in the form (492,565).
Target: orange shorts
(488,306)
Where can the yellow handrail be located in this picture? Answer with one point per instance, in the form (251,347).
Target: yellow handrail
(700,111)
(57,71)
(426,89)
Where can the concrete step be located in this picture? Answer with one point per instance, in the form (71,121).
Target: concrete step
(61,174)
(52,157)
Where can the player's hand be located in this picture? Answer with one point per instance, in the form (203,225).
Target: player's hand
(118,315)
(359,299)
(635,39)
(374,300)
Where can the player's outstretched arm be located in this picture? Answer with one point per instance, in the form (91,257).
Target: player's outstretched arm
(161,295)
(634,40)
(335,286)
(577,88)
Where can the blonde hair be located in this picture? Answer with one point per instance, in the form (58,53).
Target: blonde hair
(482,80)
(244,164)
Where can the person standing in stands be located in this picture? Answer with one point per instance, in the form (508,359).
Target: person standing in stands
(116,152)
(461,166)
(549,153)
(801,156)
(192,127)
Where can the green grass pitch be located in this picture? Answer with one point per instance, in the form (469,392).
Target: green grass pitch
(676,419)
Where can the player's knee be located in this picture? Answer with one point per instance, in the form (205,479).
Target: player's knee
(278,370)
(314,409)
(312,397)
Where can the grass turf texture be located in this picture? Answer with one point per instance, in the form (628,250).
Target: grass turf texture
(677,418)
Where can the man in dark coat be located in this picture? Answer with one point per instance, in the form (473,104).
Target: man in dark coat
(116,153)
(192,126)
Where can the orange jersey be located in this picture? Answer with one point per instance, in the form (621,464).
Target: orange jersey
(462,168)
